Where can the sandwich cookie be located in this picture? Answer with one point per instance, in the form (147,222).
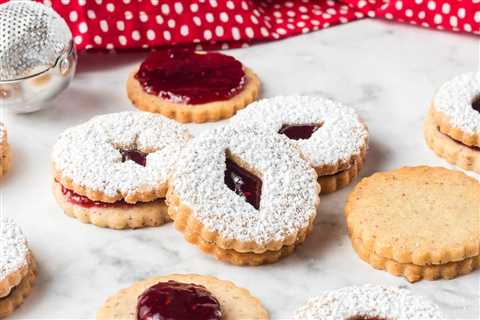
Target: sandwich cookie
(5,153)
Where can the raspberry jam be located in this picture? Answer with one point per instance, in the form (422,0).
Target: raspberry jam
(185,76)
(177,301)
(476,104)
(83,201)
(136,156)
(243,183)
(300,131)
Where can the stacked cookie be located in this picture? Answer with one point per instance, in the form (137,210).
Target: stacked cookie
(4,150)
(420,222)
(244,195)
(329,134)
(452,128)
(112,171)
(18,269)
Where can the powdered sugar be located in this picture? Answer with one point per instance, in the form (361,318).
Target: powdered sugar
(89,153)
(341,136)
(369,301)
(454,99)
(13,248)
(289,190)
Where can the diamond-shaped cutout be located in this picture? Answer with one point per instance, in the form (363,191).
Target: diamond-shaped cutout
(299,131)
(136,156)
(244,183)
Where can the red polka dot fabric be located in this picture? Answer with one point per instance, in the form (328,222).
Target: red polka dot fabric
(136,24)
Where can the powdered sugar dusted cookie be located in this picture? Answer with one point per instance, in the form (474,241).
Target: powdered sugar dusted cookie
(17,266)
(330,135)
(192,86)
(193,297)
(112,171)
(4,150)
(243,189)
(369,302)
(456,109)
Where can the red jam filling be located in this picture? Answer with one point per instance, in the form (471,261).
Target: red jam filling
(184,76)
(136,156)
(177,301)
(243,183)
(476,104)
(300,131)
(83,201)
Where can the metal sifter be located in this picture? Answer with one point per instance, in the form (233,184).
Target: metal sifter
(37,56)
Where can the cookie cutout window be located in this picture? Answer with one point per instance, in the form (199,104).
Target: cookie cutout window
(476,103)
(134,155)
(243,182)
(299,131)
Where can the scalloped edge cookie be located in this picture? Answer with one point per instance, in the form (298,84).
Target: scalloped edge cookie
(18,294)
(447,148)
(213,111)
(186,223)
(412,272)
(14,279)
(335,182)
(236,303)
(445,127)
(140,215)
(365,196)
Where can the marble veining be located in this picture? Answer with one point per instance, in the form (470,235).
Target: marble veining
(388,72)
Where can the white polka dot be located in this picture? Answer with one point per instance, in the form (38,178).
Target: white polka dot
(409,13)
(235,33)
(184,30)
(331,11)
(305,30)
(88,47)
(361,3)
(91,14)
(122,39)
(446,8)
(126,1)
(194,7)
(326,16)
(207,34)
(209,17)
(110,7)
(418,1)
(371,13)
(213,3)
(277,14)
(82,27)
(453,21)
(78,39)
(315,22)
(223,17)
(461,13)
(151,34)
(389,16)
(438,19)
(197,21)
(82,2)
(244,5)
(171,23)
(230,5)
(98,1)
(110,46)
(238,18)
(97,39)
(476,17)
(155,2)
(178,7)
(300,24)
(343,20)
(166,35)
(165,8)
(104,25)
(121,25)
(219,31)
(143,16)
(467,27)
(326,25)
(281,31)
(264,31)
(398,5)
(224,46)
(361,15)
(73,16)
(254,19)
(249,32)
(65,2)
(421,15)
(136,35)
(159,19)
(431,5)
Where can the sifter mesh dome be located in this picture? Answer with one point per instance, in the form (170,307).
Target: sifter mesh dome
(32,38)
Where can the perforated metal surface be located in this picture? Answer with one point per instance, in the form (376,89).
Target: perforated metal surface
(32,37)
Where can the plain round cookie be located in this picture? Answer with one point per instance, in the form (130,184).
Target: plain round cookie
(454,152)
(212,111)
(453,111)
(5,152)
(87,158)
(368,301)
(236,303)
(420,215)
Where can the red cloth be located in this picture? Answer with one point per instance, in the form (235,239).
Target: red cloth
(131,24)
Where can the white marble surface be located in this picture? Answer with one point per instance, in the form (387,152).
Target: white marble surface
(387,72)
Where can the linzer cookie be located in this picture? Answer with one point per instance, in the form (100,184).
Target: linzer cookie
(112,171)
(4,151)
(369,302)
(17,267)
(182,297)
(244,195)
(192,86)
(420,222)
(330,135)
